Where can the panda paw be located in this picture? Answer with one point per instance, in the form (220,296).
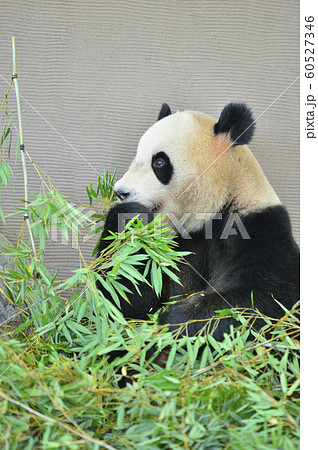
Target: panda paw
(196,315)
(120,214)
(184,317)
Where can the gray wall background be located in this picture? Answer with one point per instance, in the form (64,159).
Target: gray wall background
(95,73)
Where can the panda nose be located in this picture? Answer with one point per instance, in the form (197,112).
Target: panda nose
(122,195)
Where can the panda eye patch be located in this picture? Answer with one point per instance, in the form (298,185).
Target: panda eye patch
(162,167)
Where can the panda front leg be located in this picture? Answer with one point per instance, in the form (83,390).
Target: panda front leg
(148,302)
(197,314)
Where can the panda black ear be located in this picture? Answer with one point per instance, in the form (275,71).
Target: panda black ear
(165,111)
(237,120)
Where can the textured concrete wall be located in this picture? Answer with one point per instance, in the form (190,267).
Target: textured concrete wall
(94,75)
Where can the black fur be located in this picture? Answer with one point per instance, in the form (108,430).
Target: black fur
(117,217)
(227,271)
(165,111)
(237,120)
(267,264)
(164,173)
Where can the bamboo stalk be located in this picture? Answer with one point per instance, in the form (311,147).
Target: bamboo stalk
(25,175)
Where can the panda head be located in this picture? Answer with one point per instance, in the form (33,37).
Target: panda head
(189,162)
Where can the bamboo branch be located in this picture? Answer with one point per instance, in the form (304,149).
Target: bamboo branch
(81,434)
(6,96)
(25,175)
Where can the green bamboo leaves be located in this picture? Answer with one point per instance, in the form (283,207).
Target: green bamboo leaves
(58,384)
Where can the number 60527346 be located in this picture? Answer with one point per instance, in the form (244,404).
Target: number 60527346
(309,47)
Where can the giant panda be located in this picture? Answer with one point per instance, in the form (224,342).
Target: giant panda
(199,172)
